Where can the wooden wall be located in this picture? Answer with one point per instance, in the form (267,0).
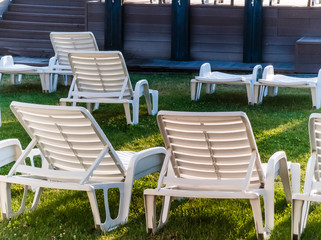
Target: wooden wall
(216,31)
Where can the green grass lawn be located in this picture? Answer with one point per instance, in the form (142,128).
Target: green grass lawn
(280,123)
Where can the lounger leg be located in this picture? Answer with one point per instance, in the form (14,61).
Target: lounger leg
(210,88)
(193,90)
(256,208)
(165,211)
(135,111)
(256,91)
(272,91)
(15,79)
(6,201)
(198,91)
(45,81)
(94,208)
(89,108)
(262,90)
(123,211)
(316,96)
(36,199)
(296,218)
(150,213)
(249,90)
(154,101)
(127,113)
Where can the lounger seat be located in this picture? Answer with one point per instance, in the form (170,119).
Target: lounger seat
(213,78)
(270,83)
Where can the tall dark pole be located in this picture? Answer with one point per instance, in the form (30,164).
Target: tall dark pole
(113,25)
(180,30)
(253,31)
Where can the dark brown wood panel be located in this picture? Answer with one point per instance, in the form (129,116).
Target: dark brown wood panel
(147,31)
(217,33)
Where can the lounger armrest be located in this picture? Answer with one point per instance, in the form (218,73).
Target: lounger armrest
(268,73)
(205,70)
(154,157)
(319,77)
(278,165)
(256,73)
(52,62)
(140,87)
(309,175)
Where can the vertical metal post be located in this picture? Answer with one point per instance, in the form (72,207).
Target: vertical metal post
(113,25)
(253,31)
(180,30)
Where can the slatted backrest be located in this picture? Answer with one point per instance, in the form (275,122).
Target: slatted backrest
(64,42)
(101,72)
(69,138)
(315,142)
(218,148)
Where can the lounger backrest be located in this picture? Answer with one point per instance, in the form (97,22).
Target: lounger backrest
(213,149)
(315,141)
(101,72)
(70,139)
(64,42)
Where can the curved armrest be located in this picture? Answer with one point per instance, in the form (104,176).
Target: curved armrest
(309,175)
(141,87)
(256,73)
(278,165)
(319,77)
(205,70)
(52,62)
(268,73)
(152,157)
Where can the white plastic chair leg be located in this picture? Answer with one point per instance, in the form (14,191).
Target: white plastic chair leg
(165,211)
(262,90)
(296,218)
(249,91)
(45,81)
(210,88)
(96,106)
(150,213)
(272,91)
(154,101)
(16,79)
(6,201)
(256,208)
(256,91)
(135,112)
(193,89)
(198,91)
(122,216)
(127,113)
(316,96)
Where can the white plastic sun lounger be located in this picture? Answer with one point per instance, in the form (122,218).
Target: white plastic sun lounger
(312,184)
(62,43)
(8,66)
(273,81)
(102,77)
(80,158)
(214,155)
(213,78)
